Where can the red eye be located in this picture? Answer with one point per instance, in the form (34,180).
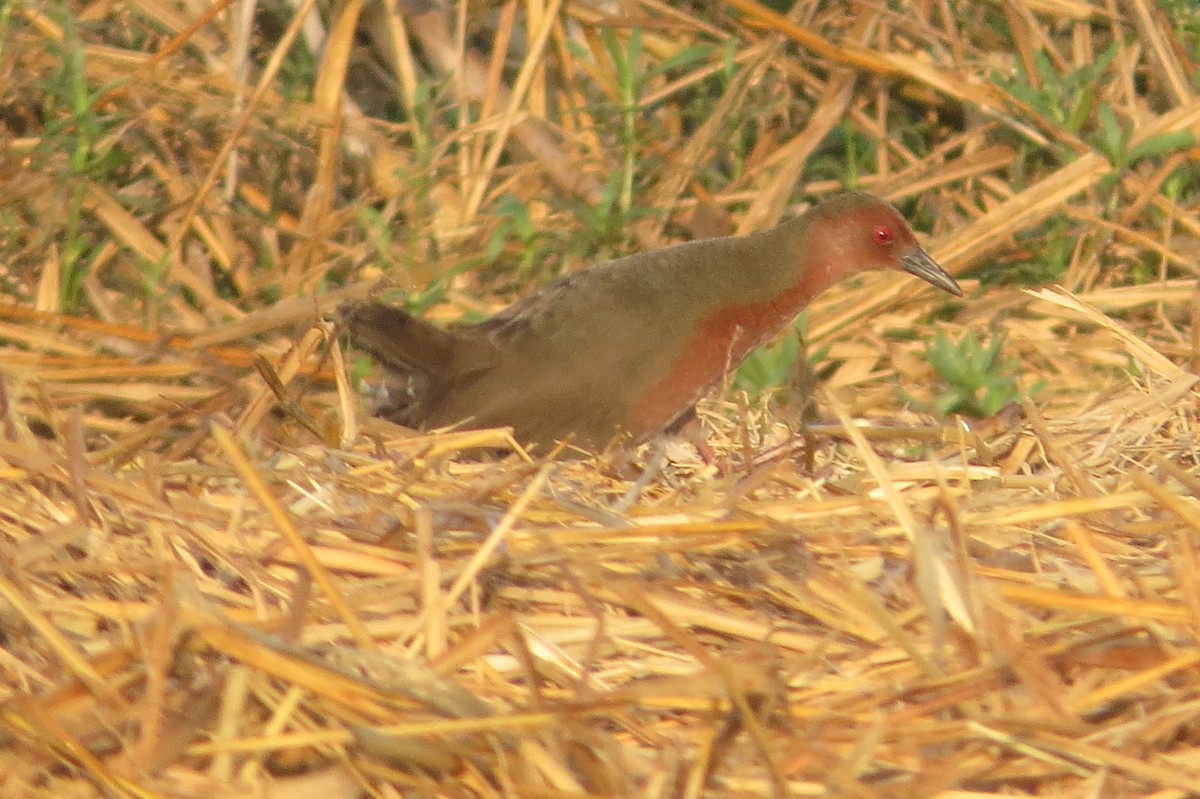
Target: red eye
(882,235)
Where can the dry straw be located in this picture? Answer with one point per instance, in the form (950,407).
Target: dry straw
(220,577)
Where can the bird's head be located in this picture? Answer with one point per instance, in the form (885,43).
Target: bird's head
(857,232)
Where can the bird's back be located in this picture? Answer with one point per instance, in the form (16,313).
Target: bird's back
(579,355)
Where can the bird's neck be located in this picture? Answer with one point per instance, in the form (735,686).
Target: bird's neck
(738,329)
(720,342)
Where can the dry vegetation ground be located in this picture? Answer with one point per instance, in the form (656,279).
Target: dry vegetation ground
(220,578)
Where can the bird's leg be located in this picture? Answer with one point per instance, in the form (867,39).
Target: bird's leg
(687,427)
(654,466)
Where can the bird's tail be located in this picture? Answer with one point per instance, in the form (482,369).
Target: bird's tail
(398,340)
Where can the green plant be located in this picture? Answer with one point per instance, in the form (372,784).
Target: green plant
(977,380)
(771,365)
(1066,100)
(775,365)
(1043,255)
(845,156)
(632,78)
(76,129)
(516,225)
(629,82)
(1115,141)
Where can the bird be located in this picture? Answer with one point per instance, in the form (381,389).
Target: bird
(622,351)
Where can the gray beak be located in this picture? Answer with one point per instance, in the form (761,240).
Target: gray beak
(917,262)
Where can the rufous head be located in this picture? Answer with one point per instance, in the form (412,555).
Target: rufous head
(856,232)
